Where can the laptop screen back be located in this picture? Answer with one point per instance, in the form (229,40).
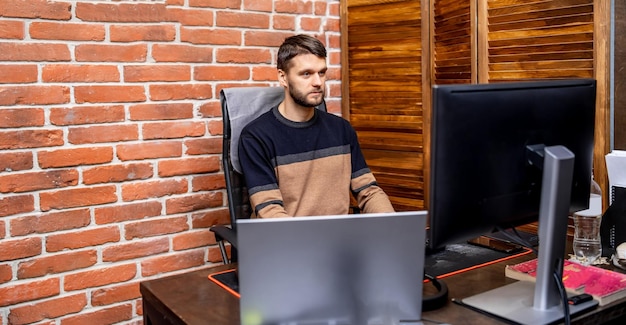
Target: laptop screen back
(349,269)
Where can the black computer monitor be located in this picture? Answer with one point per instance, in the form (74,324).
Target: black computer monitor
(488,156)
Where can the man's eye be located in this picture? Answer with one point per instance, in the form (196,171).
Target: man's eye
(306,74)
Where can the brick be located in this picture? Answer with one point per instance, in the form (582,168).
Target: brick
(75,157)
(149,150)
(82,239)
(216,127)
(127,212)
(10,205)
(35,9)
(245,55)
(24,139)
(6,273)
(169,111)
(77,197)
(87,115)
(266,38)
(125,12)
(178,261)
(111,315)
(12,29)
(115,294)
(103,133)
(216,73)
(66,31)
(178,91)
(109,94)
(135,249)
(264,73)
(3,232)
(333,106)
(171,130)
(136,33)
(193,239)
(310,23)
(284,22)
(34,181)
(332,25)
(153,73)
(153,189)
(225,85)
(187,166)
(194,202)
(52,308)
(319,8)
(215,255)
(33,95)
(334,58)
(293,6)
(50,222)
(117,173)
(28,291)
(58,263)
(218,4)
(34,52)
(79,73)
(155,227)
(211,109)
(21,117)
(210,36)
(242,19)
(258,5)
(14,249)
(181,53)
(191,17)
(111,53)
(208,183)
(210,218)
(19,73)
(203,146)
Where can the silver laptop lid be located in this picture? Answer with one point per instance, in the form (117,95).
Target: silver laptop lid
(351,269)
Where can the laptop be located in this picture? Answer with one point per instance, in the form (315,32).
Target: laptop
(360,269)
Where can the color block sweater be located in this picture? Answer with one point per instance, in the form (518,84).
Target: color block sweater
(306,168)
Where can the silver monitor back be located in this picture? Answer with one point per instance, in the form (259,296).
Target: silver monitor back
(348,269)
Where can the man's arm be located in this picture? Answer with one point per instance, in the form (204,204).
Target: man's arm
(370,197)
(256,163)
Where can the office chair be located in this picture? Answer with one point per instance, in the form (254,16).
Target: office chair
(240,106)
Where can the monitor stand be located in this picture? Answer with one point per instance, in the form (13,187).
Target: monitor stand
(526,302)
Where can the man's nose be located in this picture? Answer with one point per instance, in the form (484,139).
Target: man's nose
(317,79)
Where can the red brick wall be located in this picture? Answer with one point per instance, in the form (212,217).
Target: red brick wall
(110,141)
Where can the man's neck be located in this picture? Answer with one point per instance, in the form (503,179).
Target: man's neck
(294,112)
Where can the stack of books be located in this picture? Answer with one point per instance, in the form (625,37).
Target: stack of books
(604,285)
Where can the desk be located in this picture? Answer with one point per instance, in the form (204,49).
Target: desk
(191,298)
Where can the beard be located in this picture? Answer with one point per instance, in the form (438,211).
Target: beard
(301,98)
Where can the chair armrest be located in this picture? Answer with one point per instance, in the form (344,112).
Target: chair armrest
(225,233)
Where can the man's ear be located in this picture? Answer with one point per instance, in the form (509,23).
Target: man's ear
(282,78)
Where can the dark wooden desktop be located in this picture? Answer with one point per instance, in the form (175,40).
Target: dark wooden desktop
(191,298)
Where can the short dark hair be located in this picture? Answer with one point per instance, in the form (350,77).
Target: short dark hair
(298,44)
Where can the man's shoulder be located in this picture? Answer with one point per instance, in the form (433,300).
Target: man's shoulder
(260,122)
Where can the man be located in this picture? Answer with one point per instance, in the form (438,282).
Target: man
(298,160)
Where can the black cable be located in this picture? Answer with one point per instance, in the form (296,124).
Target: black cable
(559,283)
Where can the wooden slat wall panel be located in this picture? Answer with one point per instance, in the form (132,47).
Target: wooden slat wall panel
(545,39)
(385,94)
(452,42)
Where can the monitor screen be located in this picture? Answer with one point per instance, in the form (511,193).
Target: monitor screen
(480,175)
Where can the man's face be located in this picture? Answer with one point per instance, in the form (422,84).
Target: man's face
(305,79)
